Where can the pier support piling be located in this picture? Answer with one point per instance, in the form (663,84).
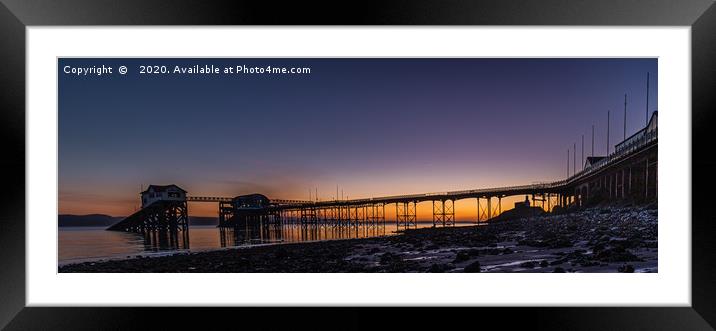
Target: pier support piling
(443,212)
(406,214)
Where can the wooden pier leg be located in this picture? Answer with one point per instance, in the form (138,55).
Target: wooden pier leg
(489,208)
(630,184)
(478,210)
(646,180)
(397,216)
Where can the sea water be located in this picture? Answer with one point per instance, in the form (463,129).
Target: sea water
(80,244)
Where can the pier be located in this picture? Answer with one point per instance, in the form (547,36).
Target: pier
(627,174)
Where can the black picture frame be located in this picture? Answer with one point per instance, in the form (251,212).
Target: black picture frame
(16,15)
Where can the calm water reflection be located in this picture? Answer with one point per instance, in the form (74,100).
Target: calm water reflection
(78,244)
(296,233)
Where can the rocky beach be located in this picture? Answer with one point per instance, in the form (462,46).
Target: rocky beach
(599,239)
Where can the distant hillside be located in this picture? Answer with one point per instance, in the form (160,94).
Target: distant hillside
(87,220)
(106,220)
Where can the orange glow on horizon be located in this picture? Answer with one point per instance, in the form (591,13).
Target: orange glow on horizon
(465,210)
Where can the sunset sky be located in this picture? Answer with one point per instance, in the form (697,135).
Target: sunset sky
(371,127)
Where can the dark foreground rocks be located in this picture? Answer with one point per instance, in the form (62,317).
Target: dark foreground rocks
(605,239)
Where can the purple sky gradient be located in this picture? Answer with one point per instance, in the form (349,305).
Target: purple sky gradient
(371,126)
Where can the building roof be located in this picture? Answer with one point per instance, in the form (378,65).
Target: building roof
(652,119)
(255,196)
(162,188)
(592,160)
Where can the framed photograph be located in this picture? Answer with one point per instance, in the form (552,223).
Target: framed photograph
(401,154)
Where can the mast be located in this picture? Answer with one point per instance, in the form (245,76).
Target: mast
(625,103)
(582,151)
(647,99)
(608,132)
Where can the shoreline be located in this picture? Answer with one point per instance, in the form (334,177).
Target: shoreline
(598,239)
(172,251)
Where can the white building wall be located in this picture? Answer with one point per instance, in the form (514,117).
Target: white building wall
(170,194)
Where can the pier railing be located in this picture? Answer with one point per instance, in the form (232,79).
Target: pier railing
(626,150)
(631,146)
